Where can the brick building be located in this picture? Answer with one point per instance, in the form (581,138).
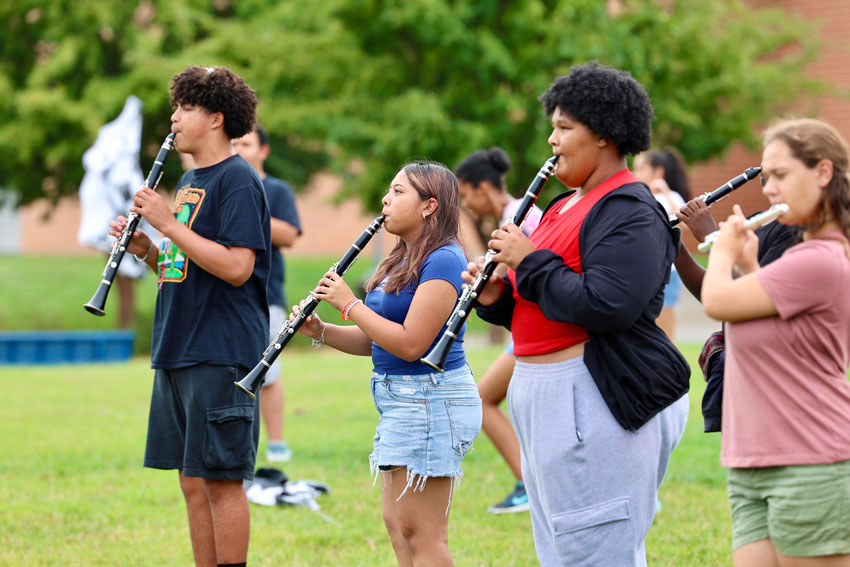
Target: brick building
(832,65)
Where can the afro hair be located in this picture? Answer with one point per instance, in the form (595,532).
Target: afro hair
(217,89)
(608,101)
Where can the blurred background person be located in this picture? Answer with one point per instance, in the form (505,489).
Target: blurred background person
(481,181)
(773,239)
(666,174)
(286,228)
(112,178)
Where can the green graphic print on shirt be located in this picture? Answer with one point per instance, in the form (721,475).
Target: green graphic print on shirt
(172,261)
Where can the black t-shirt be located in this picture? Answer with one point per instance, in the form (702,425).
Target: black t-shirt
(281,206)
(200,318)
(774,239)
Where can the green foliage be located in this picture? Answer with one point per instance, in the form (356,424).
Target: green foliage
(361,86)
(74,491)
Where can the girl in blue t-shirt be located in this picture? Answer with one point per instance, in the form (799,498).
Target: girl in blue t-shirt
(428,420)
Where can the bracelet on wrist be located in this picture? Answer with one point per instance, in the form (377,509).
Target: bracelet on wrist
(321,340)
(347,309)
(145,257)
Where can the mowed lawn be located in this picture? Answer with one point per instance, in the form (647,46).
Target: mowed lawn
(73,490)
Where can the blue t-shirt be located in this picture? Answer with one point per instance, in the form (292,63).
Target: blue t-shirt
(281,206)
(200,318)
(445,263)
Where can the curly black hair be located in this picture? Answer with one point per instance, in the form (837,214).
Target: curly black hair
(217,89)
(608,101)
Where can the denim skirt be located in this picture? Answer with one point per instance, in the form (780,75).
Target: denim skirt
(427,422)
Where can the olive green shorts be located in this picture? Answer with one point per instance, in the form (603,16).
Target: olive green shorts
(803,509)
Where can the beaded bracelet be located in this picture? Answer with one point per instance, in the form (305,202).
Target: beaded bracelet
(348,306)
(321,340)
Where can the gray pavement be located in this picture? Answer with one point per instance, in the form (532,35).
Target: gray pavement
(692,324)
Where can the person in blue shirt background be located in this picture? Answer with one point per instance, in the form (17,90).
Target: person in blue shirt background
(286,228)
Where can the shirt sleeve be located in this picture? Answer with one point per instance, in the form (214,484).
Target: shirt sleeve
(626,257)
(242,216)
(286,210)
(803,279)
(444,264)
(501,312)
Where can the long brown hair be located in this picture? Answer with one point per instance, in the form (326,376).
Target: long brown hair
(401,266)
(812,141)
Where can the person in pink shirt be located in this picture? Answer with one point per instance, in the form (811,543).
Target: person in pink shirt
(786,400)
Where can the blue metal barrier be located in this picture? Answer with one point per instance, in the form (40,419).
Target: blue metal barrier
(65,347)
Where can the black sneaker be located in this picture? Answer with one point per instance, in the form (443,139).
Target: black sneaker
(516,501)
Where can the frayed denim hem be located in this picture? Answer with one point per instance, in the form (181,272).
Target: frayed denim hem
(417,481)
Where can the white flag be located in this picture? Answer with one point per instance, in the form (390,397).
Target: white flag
(112,177)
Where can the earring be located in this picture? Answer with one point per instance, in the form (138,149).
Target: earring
(424,215)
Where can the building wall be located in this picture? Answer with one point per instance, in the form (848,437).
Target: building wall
(832,65)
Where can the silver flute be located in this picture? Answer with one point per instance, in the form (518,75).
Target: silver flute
(753,222)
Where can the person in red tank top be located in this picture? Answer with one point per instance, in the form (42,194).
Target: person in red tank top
(599,393)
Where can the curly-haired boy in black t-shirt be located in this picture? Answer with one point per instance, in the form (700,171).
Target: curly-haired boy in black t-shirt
(211,319)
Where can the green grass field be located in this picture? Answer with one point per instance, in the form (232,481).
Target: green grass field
(73,490)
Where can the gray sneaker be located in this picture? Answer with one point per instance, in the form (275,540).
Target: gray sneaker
(278,452)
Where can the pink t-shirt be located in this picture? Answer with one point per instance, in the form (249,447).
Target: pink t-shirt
(786,397)
(532,219)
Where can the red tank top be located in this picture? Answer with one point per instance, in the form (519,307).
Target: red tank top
(559,232)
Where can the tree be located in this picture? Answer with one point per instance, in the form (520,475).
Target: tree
(361,86)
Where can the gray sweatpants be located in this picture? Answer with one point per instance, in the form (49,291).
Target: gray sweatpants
(592,485)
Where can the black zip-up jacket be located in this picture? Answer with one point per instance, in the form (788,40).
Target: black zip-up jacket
(627,247)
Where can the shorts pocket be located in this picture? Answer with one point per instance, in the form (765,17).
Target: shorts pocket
(596,535)
(405,391)
(228,439)
(465,423)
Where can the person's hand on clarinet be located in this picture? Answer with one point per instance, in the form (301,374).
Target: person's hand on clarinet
(312,326)
(333,289)
(510,244)
(696,215)
(495,285)
(139,244)
(152,207)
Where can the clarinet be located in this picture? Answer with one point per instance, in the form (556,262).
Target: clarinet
(436,359)
(753,222)
(98,301)
(252,382)
(723,191)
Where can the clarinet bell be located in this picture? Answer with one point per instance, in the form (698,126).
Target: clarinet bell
(253,381)
(436,359)
(97,303)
